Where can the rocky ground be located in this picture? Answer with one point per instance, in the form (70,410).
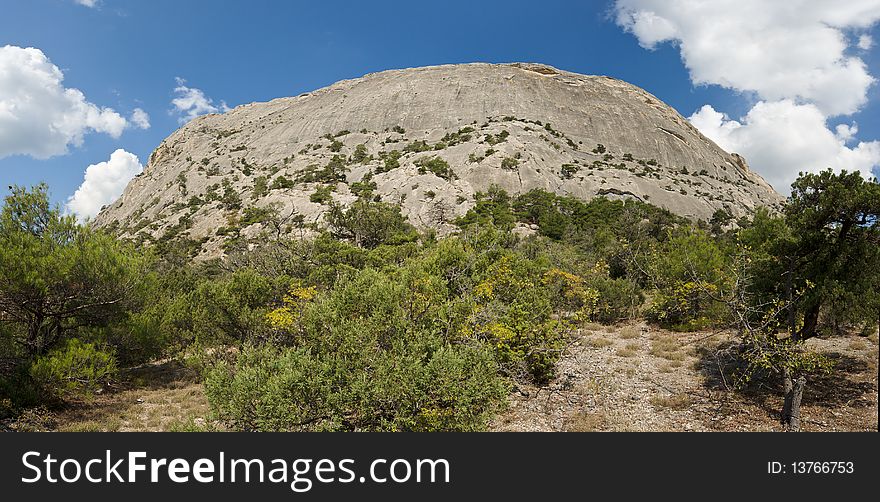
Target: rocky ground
(640,378)
(621,378)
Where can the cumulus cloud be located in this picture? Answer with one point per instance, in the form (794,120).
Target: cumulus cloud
(103,183)
(783,138)
(190,102)
(792,56)
(38,115)
(140,118)
(779,50)
(87,3)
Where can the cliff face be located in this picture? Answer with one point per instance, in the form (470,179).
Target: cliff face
(429,139)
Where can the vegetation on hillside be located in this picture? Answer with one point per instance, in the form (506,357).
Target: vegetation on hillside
(374,326)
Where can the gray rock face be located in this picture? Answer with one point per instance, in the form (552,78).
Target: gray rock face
(429,139)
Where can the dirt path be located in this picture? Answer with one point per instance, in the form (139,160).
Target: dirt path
(639,378)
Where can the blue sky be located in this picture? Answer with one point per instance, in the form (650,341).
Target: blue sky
(127,54)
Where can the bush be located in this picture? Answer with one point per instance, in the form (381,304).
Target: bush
(322,194)
(619,299)
(281,183)
(689,271)
(437,166)
(362,360)
(513,313)
(75,369)
(271,389)
(390,161)
(368,224)
(509,163)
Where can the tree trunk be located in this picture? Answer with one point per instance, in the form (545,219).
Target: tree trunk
(789,293)
(791,409)
(811,322)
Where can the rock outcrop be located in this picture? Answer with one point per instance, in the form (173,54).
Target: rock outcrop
(429,139)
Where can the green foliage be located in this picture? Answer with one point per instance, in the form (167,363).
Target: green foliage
(56,276)
(323,194)
(261,187)
(509,163)
(357,376)
(492,207)
(835,219)
(231,199)
(74,369)
(689,271)
(254,214)
(360,155)
(494,139)
(418,146)
(391,160)
(569,170)
(370,326)
(282,183)
(463,135)
(435,165)
(369,224)
(231,308)
(365,187)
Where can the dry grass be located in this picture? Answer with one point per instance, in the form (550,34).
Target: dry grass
(592,326)
(629,332)
(674,402)
(666,347)
(598,342)
(585,422)
(156,397)
(631,350)
(857,344)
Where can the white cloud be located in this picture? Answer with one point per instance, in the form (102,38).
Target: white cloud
(87,3)
(140,118)
(38,115)
(791,55)
(191,102)
(784,138)
(780,50)
(103,183)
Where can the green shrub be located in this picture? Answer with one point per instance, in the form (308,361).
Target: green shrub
(360,155)
(74,369)
(368,224)
(494,139)
(569,170)
(435,165)
(364,359)
(261,187)
(281,183)
(619,299)
(391,160)
(509,163)
(405,389)
(418,146)
(322,194)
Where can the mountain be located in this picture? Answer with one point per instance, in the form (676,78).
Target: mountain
(428,139)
